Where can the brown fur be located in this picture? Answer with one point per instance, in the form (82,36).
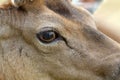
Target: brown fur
(24,3)
(83,53)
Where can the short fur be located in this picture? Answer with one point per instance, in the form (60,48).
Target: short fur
(81,52)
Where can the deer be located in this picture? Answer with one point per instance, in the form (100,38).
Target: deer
(54,40)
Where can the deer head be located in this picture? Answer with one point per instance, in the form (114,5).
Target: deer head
(53,40)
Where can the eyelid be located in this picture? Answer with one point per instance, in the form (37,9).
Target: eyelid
(47,29)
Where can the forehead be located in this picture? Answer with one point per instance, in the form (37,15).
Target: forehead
(50,17)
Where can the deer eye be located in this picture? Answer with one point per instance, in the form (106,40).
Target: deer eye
(48,36)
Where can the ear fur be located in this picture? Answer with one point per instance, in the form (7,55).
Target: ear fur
(25,4)
(66,9)
(16,11)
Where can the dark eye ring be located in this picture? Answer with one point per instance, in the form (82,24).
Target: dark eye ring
(47,36)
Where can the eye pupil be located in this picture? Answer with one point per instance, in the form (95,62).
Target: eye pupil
(47,36)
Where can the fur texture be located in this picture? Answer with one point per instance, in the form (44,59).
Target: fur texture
(79,52)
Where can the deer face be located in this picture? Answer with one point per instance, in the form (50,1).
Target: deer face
(40,41)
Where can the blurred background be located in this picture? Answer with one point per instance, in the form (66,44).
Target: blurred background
(90,5)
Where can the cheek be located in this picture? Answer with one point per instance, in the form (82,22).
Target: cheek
(18,56)
(17,48)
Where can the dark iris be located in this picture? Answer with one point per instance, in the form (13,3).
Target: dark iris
(47,36)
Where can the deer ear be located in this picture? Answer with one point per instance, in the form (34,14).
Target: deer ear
(66,9)
(25,4)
